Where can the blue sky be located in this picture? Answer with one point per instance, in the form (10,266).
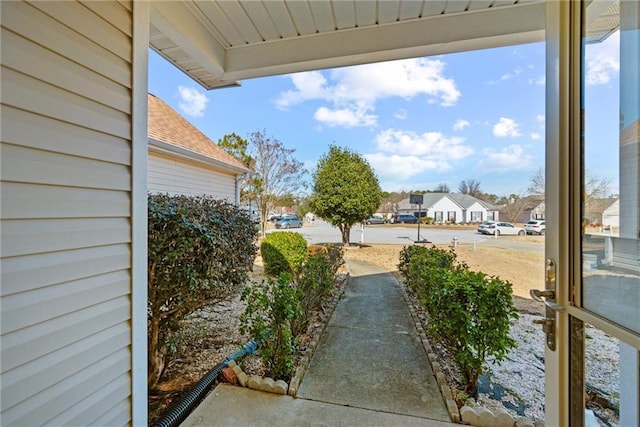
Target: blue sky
(419,122)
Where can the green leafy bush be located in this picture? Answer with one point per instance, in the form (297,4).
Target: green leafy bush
(271,307)
(314,282)
(283,252)
(469,312)
(199,253)
(416,260)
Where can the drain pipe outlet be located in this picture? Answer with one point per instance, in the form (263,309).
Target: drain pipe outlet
(180,411)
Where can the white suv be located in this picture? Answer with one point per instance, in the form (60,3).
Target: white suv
(535,226)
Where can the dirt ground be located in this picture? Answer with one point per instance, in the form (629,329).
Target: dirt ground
(524,269)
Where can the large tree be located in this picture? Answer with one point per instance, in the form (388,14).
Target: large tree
(276,172)
(237,146)
(594,186)
(536,186)
(470,187)
(442,188)
(345,190)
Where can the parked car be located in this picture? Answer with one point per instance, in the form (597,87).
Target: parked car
(535,226)
(503,228)
(274,217)
(484,225)
(289,222)
(405,218)
(375,219)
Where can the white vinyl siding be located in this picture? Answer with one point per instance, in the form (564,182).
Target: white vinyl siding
(478,213)
(174,176)
(66,207)
(445,208)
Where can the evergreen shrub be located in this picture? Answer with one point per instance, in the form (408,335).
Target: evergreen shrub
(200,251)
(283,252)
(469,312)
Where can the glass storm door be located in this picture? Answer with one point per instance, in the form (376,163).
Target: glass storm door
(593,213)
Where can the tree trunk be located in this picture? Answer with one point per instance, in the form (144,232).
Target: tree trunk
(346,230)
(155,357)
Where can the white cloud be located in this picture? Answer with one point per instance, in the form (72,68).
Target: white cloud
(538,81)
(508,76)
(535,136)
(507,159)
(461,124)
(192,102)
(506,128)
(309,85)
(433,145)
(400,168)
(603,60)
(540,118)
(404,154)
(358,88)
(344,117)
(401,114)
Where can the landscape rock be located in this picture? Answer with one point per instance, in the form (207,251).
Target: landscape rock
(229,376)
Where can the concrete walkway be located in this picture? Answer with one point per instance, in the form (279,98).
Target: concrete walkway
(369,369)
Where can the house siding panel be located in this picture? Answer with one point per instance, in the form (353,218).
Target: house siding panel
(66,213)
(176,177)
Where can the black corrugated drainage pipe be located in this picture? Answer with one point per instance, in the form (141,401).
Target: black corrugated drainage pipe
(181,410)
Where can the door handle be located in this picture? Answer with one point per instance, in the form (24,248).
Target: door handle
(547,296)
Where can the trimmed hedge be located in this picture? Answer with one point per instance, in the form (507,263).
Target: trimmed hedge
(283,252)
(469,312)
(200,251)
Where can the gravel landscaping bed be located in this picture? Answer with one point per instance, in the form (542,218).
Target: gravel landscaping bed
(517,385)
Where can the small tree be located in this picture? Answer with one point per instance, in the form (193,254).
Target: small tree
(516,205)
(345,190)
(199,253)
(276,171)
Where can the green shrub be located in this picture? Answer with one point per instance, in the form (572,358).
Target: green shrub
(415,260)
(199,253)
(469,312)
(314,282)
(271,307)
(283,252)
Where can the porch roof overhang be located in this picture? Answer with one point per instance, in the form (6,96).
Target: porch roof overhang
(218,43)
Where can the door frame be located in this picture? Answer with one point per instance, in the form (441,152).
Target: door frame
(564,367)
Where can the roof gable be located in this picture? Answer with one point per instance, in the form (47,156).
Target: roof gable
(166,125)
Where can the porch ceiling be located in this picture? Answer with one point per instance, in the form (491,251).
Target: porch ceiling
(219,42)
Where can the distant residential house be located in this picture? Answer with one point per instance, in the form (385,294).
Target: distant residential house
(451,208)
(533,207)
(182,160)
(605,212)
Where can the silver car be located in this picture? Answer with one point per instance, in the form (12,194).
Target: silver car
(289,222)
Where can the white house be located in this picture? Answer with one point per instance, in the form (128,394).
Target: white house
(74,168)
(451,208)
(182,160)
